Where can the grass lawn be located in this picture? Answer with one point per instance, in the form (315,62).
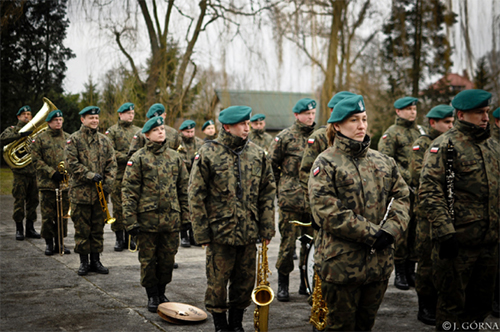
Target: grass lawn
(6,181)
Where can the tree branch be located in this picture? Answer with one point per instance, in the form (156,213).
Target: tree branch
(127,55)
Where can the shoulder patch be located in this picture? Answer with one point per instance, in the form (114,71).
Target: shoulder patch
(385,136)
(135,136)
(434,149)
(311,140)
(130,163)
(276,138)
(12,126)
(107,132)
(197,156)
(68,141)
(416,147)
(33,140)
(316,171)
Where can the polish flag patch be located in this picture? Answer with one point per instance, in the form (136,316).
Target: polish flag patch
(197,157)
(276,138)
(135,136)
(416,148)
(33,140)
(434,150)
(384,137)
(129,163)
(310,141)
(316,171)
(68,141)
(107,132)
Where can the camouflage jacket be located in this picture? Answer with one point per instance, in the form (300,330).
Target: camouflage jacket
(286,155)
(88,152)
(231,192)
(10,135)
(47,151)
(154,190)
(495,133)
(210,138)
(120,136)
(316,143)
(261,138)
(420,145)
(350,187)
(188,149)
(139,140)
(476,193)
(397,142)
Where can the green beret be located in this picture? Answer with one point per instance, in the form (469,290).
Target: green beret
(471,99)
(126,107)
(305,104)
(53,114)
(338,97)
(258,117)
(188,124)
(90,110)
(235,114)
(25,108)
(496,113)
(345,108)
(155,110)
(440,112)
(154,122)
(405,102)
(206,124)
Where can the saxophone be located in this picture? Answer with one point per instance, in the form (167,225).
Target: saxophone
(319,308)
(262,295)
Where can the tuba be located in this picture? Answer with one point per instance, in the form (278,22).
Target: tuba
(16,154)
(262,295)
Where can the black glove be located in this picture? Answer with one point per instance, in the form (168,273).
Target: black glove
(449,248)
(185,227)
(97,178)
(384,240)
(314,225)
(57,177)
(134,231)
(26,133)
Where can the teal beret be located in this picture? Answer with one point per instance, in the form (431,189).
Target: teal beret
(25,108)
(345,108)
(188,124)
(338,97)
(155,110)
(53,114)
(154,122)
(258,117)
(440,112)
(405,102)
(496,113)
(471,99)
(235,114)
(126,107)
(90,110)
(305,104)
(206,124)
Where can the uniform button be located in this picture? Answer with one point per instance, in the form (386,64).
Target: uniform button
(364,180)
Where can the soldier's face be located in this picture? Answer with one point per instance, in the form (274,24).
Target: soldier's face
(56,123)
(306,117)
(442,125)
(478,116)
(408,113)
(157,134)
(354,126)
(90,120)
(127,116)
(209,130)
(240,129)
(24,117)
(188,133)
(258,125)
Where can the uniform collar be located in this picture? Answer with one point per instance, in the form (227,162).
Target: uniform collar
(258,132)
(55,132)
(433,133)
(21,124)
(476,133)
(405,123)
(303,128)
(156,148)
(124,124)
(187,140)
(352,147)
(233,142)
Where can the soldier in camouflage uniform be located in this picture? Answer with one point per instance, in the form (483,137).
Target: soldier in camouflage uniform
(120,136)
(464,229)
(495,131)
(258,134)
(24,186)
(397,142)
(495,135)
(47,151)
(173,136)
(286,155)
(155,205)
(350,188)
(208,129)
(90,159)
(231,201)
(440,120)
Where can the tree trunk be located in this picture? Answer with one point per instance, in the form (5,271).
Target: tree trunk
(418,49)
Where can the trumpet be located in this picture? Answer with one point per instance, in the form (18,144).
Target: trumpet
(262,295)
(129,241)
(104,204)
(60,224)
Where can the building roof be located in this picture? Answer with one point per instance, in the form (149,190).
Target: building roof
(455,82)
(276,106)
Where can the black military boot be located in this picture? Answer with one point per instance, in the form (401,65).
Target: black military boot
(185,239)
(153,298)
(161,294)
(410,273)
(56,249)
(49,247)
(30,230)
(191,239)
(427,309)
(400,280)
(19,231)
(302,287)
(283,281)
(84,265)
(220,322)
(495,312)
(95,264)
(119,244)
(235,319)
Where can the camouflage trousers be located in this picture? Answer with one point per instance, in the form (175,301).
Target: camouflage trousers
(157,257)
(25,193)
(352,307)
(48,207)
(424,284)
(89,227)
(405,248)
(116,199)
(465,284)
(233,264)
(289,234)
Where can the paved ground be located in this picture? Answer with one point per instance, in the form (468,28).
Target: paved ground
(44,293)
